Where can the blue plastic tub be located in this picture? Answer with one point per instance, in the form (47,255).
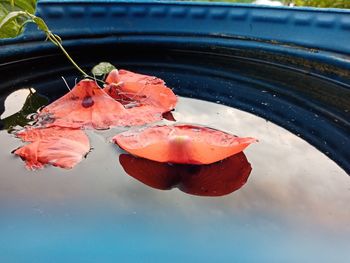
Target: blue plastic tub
(289,66)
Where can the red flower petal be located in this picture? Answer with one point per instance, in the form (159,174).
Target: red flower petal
(56,146)
(132,89)
(181,144)
(217,179)
(86,105)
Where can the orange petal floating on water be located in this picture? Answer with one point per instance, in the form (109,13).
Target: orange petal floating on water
(56,146)
(132,89)
(217,179)
(87,105)
(181,144)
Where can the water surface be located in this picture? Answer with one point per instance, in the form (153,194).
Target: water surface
(294,207)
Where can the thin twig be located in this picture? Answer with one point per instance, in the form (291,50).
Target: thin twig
(65,83)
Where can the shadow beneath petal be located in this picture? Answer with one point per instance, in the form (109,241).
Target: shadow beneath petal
(217,179)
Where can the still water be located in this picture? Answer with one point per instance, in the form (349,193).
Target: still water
(293,208)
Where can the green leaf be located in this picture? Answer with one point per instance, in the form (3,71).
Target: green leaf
(102,68)
(13,16)
(10,17)
(41,24)
(11,24)
(26,5)
(19,5)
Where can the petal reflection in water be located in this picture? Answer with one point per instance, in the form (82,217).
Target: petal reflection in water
(217,179)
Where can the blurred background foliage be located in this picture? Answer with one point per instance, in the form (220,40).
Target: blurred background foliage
(323,3)
(312,3)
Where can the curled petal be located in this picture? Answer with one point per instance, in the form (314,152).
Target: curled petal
(186,144)
(133,90)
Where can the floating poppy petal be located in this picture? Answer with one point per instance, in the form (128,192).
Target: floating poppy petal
(181,144)
(217,179)
(86,105)
(56,146)
(134,90)
(116,76)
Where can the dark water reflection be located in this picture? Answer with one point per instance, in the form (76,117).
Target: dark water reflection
(217,179)
(19,107)
(294,207)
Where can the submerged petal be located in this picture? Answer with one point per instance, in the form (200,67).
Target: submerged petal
(181,144)
(56,146)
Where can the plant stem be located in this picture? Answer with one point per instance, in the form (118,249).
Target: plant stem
(57,41)
(54,39)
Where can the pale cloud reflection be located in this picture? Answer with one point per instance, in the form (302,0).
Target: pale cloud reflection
(291,185)
(290,177)
(15,101)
